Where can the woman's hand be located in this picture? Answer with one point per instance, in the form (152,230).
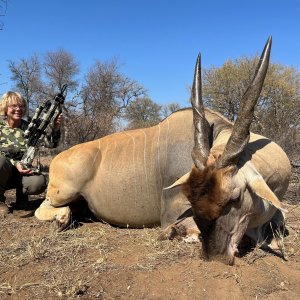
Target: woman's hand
(23,170)
(58,122)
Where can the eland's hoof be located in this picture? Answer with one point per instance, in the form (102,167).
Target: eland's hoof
(172,232)
(184,229)
(63,218)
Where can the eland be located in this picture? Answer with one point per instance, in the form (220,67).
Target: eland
(194,174)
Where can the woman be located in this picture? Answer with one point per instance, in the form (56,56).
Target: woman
(14,175)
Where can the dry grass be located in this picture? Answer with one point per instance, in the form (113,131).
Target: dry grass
(64,264)
(97,261)
(38,262)
(56,257)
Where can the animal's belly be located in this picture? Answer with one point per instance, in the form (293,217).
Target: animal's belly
(123,202)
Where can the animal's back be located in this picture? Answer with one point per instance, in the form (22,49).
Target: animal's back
(271,162)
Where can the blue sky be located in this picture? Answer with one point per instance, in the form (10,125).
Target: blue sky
(156,41)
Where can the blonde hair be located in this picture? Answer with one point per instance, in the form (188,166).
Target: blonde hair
(11,98)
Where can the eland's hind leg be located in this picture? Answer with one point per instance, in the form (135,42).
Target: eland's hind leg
(70,172)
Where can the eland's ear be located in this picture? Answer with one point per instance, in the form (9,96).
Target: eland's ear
(179,181)
(257,185)
(261,189)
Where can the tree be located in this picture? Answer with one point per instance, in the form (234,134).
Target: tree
(224,87)
(278,109)
(104,95)
(142,112)
(91,111)
(27,77)
(60,68)
(278,113)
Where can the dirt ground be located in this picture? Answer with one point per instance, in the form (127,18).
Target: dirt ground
(93,260)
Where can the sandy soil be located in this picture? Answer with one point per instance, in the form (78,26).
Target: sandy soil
(93,260)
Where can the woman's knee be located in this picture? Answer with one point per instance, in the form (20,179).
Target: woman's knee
(2,160)
(5,163)
(34,185)
(5,170)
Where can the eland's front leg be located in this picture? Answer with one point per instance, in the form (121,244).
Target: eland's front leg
(47,212)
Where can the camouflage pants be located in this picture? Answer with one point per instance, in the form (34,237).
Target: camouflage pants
(10,178)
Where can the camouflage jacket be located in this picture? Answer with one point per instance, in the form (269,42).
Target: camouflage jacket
(13,144)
